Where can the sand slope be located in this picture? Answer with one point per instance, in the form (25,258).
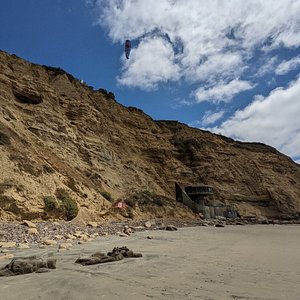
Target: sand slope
(235,262)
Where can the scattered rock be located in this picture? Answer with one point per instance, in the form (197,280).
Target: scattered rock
(32,230)
(23,246)
(161,226)
(149,237)
(94,259)
(29,224)
(220,218)
(239,223)
(25,265)
(4,251)
(92,224)
(50,242)
(122,234)
(84,238)
(8,244)
(171,228)
(263,221)
(219,225)
(127,230)
(6,256)
(94,235)
(123,251)
(71,237)
(66,246)
(148,224)
(77,234)
(56,223)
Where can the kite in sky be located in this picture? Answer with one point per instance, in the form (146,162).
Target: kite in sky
(127,48)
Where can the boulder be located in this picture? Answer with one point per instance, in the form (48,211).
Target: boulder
(4,251)
(148,224)
(50,242)
(122,234)
(8,244)
(171,228)
(92,224)
(115,255)
(66,246)
(29,224)
(219,225)
(127,230)
(25,265)
(77,234)
(32,230)
(23,246)
(84,237)
(70,237)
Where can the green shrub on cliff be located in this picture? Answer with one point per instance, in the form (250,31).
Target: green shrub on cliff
(107,196)
(68,205)
(50,203)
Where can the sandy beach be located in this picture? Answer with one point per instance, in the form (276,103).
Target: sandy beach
(236,262)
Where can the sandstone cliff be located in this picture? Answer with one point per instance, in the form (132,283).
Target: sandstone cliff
(59,134)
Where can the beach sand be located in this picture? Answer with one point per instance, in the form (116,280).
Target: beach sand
(236,262)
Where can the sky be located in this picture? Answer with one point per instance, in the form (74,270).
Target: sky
(231,67)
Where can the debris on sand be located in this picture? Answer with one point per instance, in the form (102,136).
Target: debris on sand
(25,265)
(115,255)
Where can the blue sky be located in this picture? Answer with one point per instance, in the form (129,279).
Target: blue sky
(231,67)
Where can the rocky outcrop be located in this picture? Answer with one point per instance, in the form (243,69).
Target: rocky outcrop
(118,253)
(57,134)
(25,265)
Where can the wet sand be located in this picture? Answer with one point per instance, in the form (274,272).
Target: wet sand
(236,262)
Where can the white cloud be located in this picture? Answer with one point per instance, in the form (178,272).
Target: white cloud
(222,92)
(211,117)
(273,120)
(216,67)
(150,63)
(267,67)
(195,124)
(287,66)
(204,41)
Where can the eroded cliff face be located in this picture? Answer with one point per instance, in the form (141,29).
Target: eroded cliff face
(57,133)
